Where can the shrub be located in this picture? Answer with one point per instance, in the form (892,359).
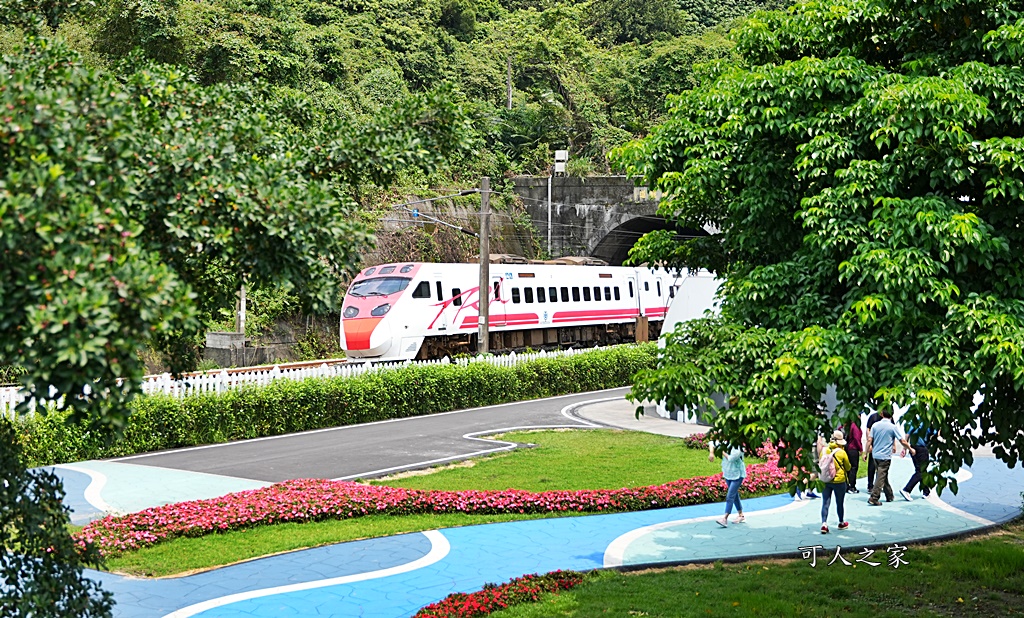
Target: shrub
(285,406)
(525,589)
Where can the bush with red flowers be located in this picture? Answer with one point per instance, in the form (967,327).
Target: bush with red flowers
(525,589)
(696,441)
(316,499)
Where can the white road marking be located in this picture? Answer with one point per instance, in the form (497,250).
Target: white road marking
(614,555)
(439,548)
(960,476)
(97,481)
(505,446)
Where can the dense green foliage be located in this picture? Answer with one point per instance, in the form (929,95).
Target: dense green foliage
(41,575)
(585,76)
(863,167)
(286,406)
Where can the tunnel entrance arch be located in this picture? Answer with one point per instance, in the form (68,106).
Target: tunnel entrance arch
(614,247)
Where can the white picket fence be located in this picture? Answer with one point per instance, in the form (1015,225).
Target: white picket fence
(223,380)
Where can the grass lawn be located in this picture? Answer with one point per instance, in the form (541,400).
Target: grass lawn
(982,577)
(581,459)
(570,459)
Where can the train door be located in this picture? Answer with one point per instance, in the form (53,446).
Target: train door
(442,318)
(648,294)
(662,295)
(498,296)
(633,294)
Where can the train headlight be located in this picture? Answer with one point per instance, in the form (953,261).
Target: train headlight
(350,312)
(380,310)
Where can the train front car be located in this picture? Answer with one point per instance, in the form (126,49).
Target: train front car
(369,313)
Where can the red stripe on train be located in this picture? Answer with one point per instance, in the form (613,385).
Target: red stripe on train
(563,316)
(512,319)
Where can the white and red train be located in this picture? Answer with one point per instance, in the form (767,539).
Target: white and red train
(412,310)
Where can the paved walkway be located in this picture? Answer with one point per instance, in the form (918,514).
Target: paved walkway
(393,577)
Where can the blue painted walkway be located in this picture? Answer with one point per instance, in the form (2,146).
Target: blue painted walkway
(395,576)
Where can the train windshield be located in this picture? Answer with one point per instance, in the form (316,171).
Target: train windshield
(379,286)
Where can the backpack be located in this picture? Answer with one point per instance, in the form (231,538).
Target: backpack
(827,465)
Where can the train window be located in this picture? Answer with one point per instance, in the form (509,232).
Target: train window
(659,288)
(541,297)
(422,290)
(497,290)
(387,270)
(565,295)
(515,295)
(607,293)
(370,271)
(456,297)
(553,294)
(647,286)
(597,292)
(631,289)
(616,292)
(575,295)
(586,293)
(380,286)
(406,268)
(528,294)
(440,292)
(671,291)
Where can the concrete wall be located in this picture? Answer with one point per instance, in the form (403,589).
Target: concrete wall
(601,215)
(229,349)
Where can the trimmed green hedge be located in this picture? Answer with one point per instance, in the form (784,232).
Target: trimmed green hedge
(285,406)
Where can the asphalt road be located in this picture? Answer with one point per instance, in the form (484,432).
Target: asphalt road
(374,449)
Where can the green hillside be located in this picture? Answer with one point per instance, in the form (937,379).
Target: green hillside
(585,76)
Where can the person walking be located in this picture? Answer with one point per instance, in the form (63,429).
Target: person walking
(873,418)
(920,455)
(854,447)
(733,471)
(837,486)
(881,442)
(807,492)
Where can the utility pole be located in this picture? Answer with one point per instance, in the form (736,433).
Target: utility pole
(483,337)
(509,81)
(240,316)
(550,174)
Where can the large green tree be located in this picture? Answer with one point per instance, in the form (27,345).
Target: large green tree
(861,169)
(128,205)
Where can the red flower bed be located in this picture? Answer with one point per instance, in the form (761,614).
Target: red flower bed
(314,499)
(525,589)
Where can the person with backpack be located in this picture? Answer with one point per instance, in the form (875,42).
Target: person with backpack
(834,465)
